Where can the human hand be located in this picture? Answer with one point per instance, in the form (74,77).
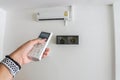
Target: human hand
(21,54)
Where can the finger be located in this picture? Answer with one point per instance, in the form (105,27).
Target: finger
(47,50)
(37,41)
(46,53)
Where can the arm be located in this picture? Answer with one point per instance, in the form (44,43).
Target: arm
(4,73)
(20,56)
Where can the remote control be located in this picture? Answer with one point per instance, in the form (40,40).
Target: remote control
(38,50)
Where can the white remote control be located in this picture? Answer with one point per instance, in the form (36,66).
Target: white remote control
(38,50)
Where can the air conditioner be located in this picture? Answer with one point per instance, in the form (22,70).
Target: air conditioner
(54,13)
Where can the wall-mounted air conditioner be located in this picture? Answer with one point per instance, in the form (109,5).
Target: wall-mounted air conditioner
(54,13)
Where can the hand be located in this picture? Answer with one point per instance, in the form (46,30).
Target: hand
(21,54)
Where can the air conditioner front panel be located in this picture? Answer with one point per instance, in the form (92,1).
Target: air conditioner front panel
(51,13)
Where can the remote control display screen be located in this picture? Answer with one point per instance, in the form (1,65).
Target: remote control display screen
(44,35)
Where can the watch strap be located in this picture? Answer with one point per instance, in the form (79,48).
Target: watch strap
(11,64)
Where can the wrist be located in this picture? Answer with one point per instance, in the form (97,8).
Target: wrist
(4,73)
(13,61)
(16,58)
(13,66)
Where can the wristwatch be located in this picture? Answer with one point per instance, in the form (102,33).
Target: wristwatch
(11,64)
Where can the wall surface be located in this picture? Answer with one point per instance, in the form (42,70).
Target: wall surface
(117,38)
(2,31)
(92,59)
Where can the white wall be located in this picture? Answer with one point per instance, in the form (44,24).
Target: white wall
(92,59)
(117,38)
(2,30)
